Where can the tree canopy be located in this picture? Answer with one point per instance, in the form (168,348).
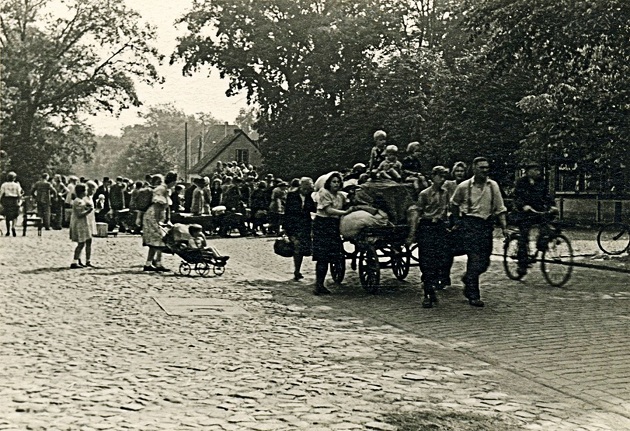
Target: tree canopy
(507,79)
(61,63)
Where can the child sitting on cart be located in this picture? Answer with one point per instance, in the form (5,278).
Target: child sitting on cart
(198,242)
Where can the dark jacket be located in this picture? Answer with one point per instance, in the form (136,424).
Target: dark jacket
(535,195)
(297,218)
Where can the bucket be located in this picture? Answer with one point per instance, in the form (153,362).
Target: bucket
(101,230)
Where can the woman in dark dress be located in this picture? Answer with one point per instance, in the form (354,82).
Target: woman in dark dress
(327,244)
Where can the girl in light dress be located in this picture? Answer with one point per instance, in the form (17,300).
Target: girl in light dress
(80,230)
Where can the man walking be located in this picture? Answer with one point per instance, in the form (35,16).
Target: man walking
(432,209)
(475,204)
(44,192)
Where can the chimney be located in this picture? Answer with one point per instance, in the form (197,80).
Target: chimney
(226,129)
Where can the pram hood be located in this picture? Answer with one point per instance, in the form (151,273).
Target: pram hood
(177,234)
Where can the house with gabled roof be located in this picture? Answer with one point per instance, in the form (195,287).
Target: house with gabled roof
(235,145)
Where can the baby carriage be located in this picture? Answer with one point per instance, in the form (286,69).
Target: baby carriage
(177,240)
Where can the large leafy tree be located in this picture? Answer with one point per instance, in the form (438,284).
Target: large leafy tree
(295,59)
(578,54)
(61,63)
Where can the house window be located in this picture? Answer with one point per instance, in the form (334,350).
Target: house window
(242,156)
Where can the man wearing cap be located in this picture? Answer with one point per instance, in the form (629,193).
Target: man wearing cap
(475,204)
(533,205)
(429,220)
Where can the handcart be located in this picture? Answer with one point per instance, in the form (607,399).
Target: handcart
(376,248)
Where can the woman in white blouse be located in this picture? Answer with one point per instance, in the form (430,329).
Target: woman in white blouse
(10,194)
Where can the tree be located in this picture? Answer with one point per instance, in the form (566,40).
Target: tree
(149,156)
(578,54)
(294,59)
(60,66)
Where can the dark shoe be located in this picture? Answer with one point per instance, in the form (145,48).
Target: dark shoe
(476,302)
(521,272)
(75,266)
(298,276)
(88,264)
(321,290)
(81,264)
(8,233)
(13,232)
(149,268)
(427,302)
(161,269)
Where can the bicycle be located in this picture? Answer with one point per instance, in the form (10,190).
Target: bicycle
(556,261)
(614,238)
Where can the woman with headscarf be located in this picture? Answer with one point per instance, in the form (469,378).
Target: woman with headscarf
(327,244)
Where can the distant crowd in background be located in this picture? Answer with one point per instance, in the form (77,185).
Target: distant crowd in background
(234,197)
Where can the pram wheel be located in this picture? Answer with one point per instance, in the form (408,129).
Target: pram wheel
(218,269)
(184,268)
(202,268)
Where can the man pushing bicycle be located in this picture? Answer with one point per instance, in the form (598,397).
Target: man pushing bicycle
(533,205)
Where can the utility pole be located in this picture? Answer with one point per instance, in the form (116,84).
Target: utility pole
(186,152)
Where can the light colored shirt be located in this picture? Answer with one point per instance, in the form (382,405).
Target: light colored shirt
(11,189)
(433,204)
(324,199)
(475,201)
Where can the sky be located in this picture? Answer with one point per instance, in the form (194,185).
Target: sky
(192,94)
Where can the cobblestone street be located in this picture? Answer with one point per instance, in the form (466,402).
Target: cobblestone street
(114,348)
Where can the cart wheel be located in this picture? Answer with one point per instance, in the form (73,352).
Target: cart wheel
(184,268)
(557,261)
(338,270)
(510,257)
(401,261)
(369,270)
(218,270)
(202,268)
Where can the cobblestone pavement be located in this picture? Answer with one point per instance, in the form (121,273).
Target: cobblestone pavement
(91,349)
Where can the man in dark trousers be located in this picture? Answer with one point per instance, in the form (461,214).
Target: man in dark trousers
(431,226)
(475,205)
(43,191)
(298,222)
(533,205)
(117,202)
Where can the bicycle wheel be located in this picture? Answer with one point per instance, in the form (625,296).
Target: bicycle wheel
(613,238)
(510,257)
(557,260)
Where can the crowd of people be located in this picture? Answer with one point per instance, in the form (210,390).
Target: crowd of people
(452,214)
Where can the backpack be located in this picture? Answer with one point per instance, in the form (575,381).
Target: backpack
(143,199)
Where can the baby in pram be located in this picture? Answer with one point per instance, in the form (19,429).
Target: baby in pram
(198,242)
